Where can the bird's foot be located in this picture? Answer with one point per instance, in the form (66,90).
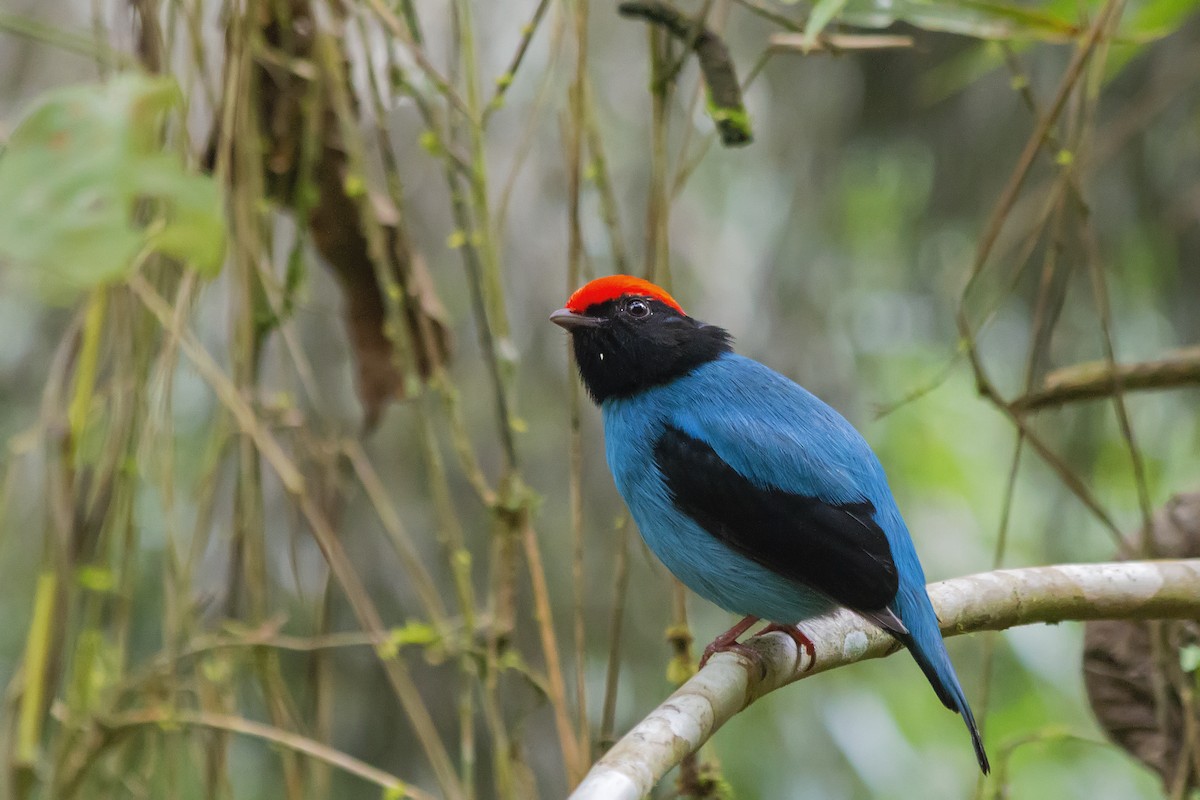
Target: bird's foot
(749,653)
(803,643)
(728,641)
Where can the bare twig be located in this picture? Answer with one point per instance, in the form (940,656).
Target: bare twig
(276,736)
(505,80)
(410,40)
(1009,196)
(1072,75)
(839,42)
(572,757)
(1095,380)
(330,545)
(575,130)
(608,715)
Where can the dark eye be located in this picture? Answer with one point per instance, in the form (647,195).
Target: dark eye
(638,309)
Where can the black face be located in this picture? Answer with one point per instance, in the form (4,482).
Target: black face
(638,342)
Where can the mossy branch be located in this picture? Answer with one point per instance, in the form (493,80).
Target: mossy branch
(725,104)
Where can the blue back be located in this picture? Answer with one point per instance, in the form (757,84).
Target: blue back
(775,433)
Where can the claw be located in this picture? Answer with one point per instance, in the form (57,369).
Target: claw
(728,641)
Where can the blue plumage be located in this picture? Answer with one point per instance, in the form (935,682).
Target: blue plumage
(770,430)
(752,491)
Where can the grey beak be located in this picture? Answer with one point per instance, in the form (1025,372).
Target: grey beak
(566,318)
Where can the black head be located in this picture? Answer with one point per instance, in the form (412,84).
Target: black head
(630,343)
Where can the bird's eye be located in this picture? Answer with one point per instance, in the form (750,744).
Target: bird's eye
(638,309)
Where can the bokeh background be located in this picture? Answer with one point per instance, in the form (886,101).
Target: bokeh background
(837,248)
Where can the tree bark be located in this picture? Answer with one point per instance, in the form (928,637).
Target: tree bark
(988,601)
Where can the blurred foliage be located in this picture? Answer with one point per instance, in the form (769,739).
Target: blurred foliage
(217,586)
(1056,21)
(75,172)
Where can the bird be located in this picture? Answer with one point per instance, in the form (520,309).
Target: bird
(753,492)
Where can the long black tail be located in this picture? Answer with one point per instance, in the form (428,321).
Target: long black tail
(931,656)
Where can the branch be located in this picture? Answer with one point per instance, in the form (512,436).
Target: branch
(1095,380)
(988,601)
(838,42)
(724,91)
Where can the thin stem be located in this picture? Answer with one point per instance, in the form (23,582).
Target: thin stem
(506,78)
(576,124)
(603,180)
(401,541)
(572,756)
(328,541)
(608,717)
(657,255)
(410,40)
(276,736)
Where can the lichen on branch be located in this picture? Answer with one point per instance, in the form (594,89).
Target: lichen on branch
(988,601)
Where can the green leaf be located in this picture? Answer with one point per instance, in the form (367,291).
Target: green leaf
(94,669)
(993,20)
(87,186)
(942,17)
(190,230)
(1157,18)
(95,577)
(1029,19)
(1189,658)
(976,18)
(822,13)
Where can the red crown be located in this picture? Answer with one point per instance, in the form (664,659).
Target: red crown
(610,288)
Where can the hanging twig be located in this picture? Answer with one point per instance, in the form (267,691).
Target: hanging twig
(724,92)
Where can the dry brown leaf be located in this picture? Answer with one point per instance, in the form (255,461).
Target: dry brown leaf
(1138,697)
(285,72)
(337,232)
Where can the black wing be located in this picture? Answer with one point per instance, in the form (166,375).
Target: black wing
(837,549)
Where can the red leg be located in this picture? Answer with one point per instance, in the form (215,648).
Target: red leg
(803,643)
(728,641)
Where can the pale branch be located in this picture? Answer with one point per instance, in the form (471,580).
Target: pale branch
(838,42)
(988,601)
(1095,380)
